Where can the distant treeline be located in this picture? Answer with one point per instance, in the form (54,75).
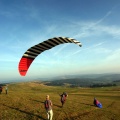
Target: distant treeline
(84,82)
(2,84)
(116,81)
(102,85)
(71,82)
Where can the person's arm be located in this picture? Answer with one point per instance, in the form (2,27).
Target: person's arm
(51,103)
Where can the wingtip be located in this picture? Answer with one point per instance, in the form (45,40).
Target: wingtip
(80,45)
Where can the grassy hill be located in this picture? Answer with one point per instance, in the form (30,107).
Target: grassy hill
(24,101)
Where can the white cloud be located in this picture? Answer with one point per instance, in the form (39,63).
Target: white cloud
(114,56)
(9,60)
(60,49)
(102,19)
(98,44)
(91,48)
(102,50)
(6,13)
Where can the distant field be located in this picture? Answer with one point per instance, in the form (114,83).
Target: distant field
(24,101)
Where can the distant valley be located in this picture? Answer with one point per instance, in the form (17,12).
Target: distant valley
(91,80)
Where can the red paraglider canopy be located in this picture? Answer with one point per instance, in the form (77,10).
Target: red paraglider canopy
(24,65)
(35,50)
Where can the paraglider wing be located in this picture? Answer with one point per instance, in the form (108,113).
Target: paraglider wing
(29,56)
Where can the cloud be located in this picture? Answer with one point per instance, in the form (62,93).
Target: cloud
(6,13)
(114,56)
(88,48)
(102,19)
(9,60)
(59,50)
(98,31)
(92,28)
(98,44)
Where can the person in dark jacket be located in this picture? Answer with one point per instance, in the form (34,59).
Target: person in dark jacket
(63,98)
(48,107)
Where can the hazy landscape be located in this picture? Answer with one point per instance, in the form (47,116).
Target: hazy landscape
(48,47)
(91,80)
(24,101)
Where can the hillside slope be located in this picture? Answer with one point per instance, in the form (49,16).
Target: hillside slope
(24,101)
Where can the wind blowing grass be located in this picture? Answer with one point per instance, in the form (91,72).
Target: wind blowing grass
(24,101)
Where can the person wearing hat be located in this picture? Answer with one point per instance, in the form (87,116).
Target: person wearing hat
(48,107)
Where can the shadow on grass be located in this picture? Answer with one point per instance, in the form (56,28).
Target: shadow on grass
(36,100)
(43,103)
(87,104)
(29,113)
(80,115)
(57,105)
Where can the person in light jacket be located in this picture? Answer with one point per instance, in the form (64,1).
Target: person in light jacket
(48,107)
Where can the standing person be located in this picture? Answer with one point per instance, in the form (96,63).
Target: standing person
(63,98)
(6,89)
(48,107)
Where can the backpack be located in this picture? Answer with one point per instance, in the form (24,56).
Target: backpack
(46,104)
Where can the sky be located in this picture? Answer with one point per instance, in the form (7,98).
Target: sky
(25,23)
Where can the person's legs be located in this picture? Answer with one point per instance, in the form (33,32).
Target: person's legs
(51,115)
(62,103)
(48,115)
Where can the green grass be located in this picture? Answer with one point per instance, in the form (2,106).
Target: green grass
(24,101)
